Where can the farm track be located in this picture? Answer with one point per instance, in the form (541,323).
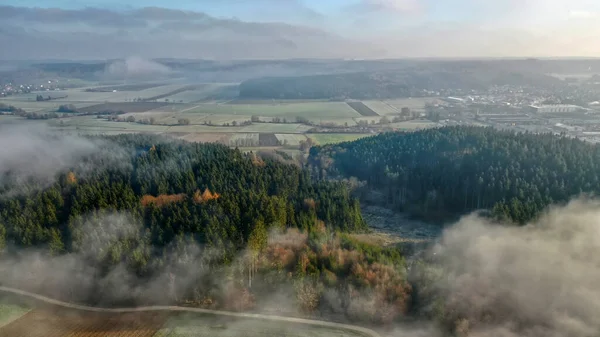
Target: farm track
(362,109)
(175,309)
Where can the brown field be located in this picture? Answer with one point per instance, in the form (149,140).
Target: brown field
(62,322)
(268,139)
(125,107)
(362,109)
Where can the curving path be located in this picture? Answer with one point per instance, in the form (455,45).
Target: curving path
(365,331)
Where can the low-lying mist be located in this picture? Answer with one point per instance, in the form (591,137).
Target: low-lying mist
(537,280)
(135,68)
(33,154)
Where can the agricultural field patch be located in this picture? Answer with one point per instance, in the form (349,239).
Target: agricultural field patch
(416,103)
(244,140)
(63,322)
(275,101)
(34,106)
(268,139)
(125,87)
(414,125)
(333,121)
(335,138)
(11,312)
(206,326)
(307,110)
(362,109)
(382,107)
(276,128)
(204,93)
(290,139)
(204,137)
(9,119)
(125,107)
(81,95)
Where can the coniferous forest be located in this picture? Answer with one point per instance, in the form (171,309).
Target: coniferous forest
(443,173)
(148,220)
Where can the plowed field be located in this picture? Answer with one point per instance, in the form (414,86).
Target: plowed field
(69,323)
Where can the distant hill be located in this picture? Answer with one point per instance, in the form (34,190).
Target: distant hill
(391,84)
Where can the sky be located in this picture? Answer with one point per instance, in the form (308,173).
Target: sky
(387,28)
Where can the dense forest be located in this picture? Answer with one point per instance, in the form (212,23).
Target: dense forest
(208,225)
(446,172)
(210,192)
(389,84)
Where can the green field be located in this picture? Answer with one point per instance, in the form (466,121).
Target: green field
(10,312)
(334,138)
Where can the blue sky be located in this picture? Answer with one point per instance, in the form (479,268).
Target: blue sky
(334,12)
(402,27)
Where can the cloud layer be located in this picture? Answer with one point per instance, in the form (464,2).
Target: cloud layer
(154,32)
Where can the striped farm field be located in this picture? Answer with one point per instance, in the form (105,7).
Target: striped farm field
(63,322)
(362,109)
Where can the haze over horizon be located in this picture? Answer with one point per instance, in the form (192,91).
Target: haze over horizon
(272,29)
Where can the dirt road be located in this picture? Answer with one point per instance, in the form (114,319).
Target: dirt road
(348,327)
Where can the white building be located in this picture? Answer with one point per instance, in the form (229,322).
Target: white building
(555,108)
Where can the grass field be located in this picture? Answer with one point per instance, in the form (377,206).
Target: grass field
(334,138)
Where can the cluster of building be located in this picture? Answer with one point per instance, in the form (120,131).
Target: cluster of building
(10,89)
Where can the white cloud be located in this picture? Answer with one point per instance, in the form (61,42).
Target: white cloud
(403,6)
(582,14)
